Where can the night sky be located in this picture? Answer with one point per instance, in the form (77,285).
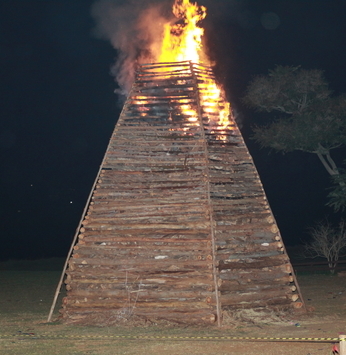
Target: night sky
(58,108)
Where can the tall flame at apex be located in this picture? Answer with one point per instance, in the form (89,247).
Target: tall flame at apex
(182,40)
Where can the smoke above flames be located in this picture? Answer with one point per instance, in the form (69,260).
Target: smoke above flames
(134,28)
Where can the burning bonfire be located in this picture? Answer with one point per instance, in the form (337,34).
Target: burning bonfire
(178,226)
(182,41)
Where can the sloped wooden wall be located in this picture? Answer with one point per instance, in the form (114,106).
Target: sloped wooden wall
(179,227)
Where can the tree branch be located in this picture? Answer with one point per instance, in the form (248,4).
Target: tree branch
(332,163)
(326,165)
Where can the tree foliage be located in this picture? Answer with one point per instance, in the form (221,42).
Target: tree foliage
(319,128)
(337,194)
(287,89)
(310,119)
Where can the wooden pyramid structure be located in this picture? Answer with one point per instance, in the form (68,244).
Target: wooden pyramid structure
(178,226)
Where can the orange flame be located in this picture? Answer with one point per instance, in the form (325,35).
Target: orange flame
(182,41)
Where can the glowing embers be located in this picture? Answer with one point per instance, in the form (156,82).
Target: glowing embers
(213,102)
(216,108)
(185,120)
(188,111)
(161,95)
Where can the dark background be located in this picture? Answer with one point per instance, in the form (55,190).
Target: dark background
(58,109)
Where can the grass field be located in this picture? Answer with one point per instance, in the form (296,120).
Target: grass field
(27,290)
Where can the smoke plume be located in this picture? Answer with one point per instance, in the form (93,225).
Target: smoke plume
(134,27)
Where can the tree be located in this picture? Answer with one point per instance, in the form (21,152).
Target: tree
(311,119)
(327,242)
(337,196)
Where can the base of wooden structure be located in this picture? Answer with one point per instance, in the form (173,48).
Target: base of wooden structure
(132,317)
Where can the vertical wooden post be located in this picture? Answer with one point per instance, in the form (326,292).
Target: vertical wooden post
(212,234)
(342,344)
